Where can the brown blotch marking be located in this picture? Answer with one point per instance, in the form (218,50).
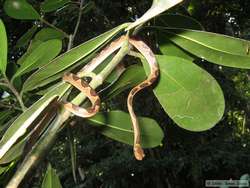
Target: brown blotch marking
(67,74)
(90,110)
(97,102)
(74,77)
(74,107)
(92,92)
(143,85)
(152,80)
(134,90)
(83,83)
(156,73)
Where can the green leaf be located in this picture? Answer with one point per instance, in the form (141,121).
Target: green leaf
(42,36)
(51,5)
(169,48)
(3,169)
(68,59)
(39,56)
(244,179)
(157,8)
(215,48)
(48,34)
(4,115)
(188,94)
(178,21)
(127,80)
(51,180)
(20,9)
(3,47)
(14,152)
(117,125)
(26,37)
(20,126)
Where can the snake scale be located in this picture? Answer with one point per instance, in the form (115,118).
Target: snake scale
(94,98)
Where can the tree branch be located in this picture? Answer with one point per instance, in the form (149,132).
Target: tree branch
(15,92)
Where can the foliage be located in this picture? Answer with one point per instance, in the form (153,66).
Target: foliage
(186,92)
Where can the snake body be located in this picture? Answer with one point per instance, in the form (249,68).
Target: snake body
(154,73)
(94,98)
(88,91)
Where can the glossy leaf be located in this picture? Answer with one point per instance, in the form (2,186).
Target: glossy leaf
(176,21)
(127,80)
(39,56)
(14,152)
(68,59)
(169,48)
(3,169)
(51,5)
(188,94)
(26,37)
(48,34)
(211,47)
(20,9)
(3,48)
(51,180)
(117,125)
(20,126)
(43,35)
(157,8)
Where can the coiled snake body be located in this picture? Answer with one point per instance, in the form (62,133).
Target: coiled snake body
(94,98)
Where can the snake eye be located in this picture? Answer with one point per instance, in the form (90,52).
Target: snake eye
(87,79)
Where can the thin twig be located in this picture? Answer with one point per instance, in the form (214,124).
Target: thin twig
(15,92)
(78,19)
(54,27)
(72,37)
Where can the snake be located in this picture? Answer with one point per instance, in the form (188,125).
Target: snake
(84,87)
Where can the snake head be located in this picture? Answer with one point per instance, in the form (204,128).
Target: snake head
(138,152)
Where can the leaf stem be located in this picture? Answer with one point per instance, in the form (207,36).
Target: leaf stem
(54,27)
(15,92)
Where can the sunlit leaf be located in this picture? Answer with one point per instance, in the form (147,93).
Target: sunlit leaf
(3,169)
(188,94)
(3,48)
(169,48)
(157,8)
(14,152)
(176,21)
(20,126)
(43,35)
(51,5)
(68,59)
(215,48)
(51,180)
(26,37)
(117,125)
(20,9)
(48,34)
(39,56)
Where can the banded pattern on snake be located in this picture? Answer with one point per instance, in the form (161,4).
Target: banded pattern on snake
(95,100)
